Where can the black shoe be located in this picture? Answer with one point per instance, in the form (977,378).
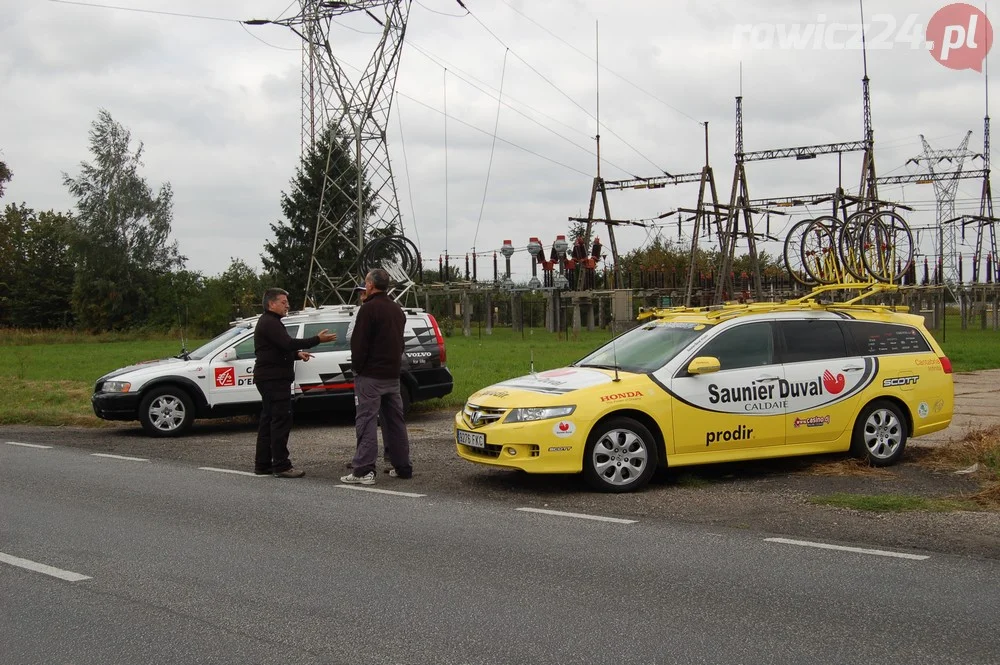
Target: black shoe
(291,472)
(262,472)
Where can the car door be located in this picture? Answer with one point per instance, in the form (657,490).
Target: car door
(823,381)
(736,407)
(329,370)
(232,380)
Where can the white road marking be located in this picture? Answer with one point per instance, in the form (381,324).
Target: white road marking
(233,471)
(859,550)
(127,459)
(582,516)
(378,491)
(67,575)
(26,445)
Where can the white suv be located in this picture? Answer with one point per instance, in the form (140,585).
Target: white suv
(216,380)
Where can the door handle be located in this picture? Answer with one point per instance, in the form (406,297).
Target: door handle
(766,379)
(852,368)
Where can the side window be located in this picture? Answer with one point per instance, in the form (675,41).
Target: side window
(245,349)
(749,345)
(812,340)
(879,339)
(339,344)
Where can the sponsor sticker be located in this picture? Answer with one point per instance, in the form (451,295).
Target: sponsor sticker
(812,421)
(741,433)
(632,394)
(923,410)
(900,381)
(560,449)
(225,377)
(939,406)
(564,428)
(492,393)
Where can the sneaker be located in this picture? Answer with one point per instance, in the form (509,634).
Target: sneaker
(289,473)
(396,474)
(351,479)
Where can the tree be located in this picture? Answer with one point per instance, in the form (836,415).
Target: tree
(5,177)
(36,268)
(287,257)
(121,239)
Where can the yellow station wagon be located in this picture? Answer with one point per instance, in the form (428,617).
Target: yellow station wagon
(694,386)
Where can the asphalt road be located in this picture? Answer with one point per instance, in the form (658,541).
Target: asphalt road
(186,565)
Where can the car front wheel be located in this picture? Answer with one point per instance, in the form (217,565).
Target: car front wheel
(879,434)
(166,411)
(621,456)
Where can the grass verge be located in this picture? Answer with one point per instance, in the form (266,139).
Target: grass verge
(893,503)
(978,454)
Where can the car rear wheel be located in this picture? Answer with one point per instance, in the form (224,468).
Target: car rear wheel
(166,411)
(879,434)
(621,456)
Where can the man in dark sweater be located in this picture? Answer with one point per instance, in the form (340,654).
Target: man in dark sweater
(376,359)
(273,374)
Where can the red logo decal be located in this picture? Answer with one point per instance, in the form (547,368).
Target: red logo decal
(833,384)
(225,377)
(564,426)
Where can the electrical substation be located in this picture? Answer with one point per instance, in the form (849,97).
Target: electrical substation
(862,242)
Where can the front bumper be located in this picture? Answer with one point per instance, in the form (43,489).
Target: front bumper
(116,406)
(531,447)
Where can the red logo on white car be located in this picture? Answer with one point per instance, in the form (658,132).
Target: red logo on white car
(225,377)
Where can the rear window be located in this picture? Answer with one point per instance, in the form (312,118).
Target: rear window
(812,339)
(339,344)
(881,339)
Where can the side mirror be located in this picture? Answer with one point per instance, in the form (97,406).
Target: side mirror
(227,356)
(704,365)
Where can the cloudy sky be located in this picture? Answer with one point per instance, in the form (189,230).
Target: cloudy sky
(218,107)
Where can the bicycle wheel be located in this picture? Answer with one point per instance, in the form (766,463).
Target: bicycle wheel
(849,245)
(819,252)
(888,243)
(793,256)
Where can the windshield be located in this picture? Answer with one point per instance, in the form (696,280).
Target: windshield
(217,343)
(646,348)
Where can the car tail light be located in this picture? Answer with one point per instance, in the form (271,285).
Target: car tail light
(440,339)
(945,364)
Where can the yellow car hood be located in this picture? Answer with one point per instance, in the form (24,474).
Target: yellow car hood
(534,388)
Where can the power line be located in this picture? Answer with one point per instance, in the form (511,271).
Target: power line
(146,11)
(435,11)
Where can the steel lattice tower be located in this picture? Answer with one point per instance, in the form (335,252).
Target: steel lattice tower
(359,109)
(945,188)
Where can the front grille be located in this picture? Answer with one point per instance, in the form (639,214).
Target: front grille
(491,450)
(480,416)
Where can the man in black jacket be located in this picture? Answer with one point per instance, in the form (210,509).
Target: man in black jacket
(376,360)
(273,374)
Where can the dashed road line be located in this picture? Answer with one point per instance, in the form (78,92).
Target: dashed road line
(26,445)
(232,471)
(582,516)
(842,548)
(67,575)
(121,457)
(380,491)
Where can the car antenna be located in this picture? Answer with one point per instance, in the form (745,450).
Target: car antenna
(180,323)
(614,352)
(531,360)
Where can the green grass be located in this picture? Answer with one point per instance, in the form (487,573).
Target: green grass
(893,503)
(49,374)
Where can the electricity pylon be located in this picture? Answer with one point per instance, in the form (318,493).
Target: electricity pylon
(358,110)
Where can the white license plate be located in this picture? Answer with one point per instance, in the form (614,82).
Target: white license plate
(471,439)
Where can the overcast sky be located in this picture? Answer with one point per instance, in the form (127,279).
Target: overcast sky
(218,107)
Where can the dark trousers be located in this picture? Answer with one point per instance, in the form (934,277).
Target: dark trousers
(275,425)
(376,398)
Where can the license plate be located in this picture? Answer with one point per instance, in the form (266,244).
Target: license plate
(471,439)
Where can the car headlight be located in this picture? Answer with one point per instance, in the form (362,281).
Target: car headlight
(116,387)
(531,413)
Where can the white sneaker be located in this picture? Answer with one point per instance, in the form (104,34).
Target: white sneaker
(351,479)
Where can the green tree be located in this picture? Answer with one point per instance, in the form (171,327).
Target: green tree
(5,177)
(121,240)
(287,257)
(36,268)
